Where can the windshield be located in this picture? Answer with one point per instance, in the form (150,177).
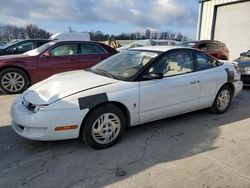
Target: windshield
(248,53)
(39,50)
(124,65)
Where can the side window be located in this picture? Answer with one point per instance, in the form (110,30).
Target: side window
(248,53)
(202,61)
(174,63)
(212,46)
(205,62)
(91,49)
(64,49)
(172,43)
(203,47)
(40,43)
(155,43)
(24,47)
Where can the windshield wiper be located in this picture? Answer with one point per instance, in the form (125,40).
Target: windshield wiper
(105,72)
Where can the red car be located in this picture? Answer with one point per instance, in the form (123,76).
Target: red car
(18,72)
(214,48)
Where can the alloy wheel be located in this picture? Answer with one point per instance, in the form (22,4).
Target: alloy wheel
(13,82)
(106,128)
(223,100)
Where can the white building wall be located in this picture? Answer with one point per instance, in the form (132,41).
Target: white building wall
(207,17)
(227,21)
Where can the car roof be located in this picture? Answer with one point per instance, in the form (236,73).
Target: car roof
(74,41)
(191,41)
(163,40)
(22,40)
(159,48)
(213,41)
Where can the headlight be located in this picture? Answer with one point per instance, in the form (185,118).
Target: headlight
(37,108)
(244,69)
(241,69)
(247,68)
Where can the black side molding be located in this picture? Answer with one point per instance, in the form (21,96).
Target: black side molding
(230,75)
(92,101)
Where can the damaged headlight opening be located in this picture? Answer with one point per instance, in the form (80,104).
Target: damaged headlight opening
(33,107)
(37,108)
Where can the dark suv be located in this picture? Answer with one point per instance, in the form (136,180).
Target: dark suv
(244,66)
(22,46)
(214,48)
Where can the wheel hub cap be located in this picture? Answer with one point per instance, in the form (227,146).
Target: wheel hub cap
(106,128)
(223,100)
(12,82)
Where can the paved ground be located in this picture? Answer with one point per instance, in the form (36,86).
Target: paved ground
(194,150)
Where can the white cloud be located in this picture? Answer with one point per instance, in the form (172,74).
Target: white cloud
(146,13)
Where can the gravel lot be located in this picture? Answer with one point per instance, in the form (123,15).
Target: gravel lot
(198,149)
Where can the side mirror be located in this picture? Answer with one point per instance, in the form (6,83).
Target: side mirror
(243,54)
(153,76)
(47,54)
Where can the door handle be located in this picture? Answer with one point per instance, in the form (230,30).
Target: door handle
(194,81)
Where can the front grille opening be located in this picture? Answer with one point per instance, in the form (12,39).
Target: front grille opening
(21,127)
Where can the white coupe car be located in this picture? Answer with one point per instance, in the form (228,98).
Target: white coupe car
(127,89)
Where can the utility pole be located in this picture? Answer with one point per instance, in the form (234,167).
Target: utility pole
(70,29)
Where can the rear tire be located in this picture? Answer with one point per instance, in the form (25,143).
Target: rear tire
(222,100)
(13,81)
(103,127)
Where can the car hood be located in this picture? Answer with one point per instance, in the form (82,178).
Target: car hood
(243,61)
(63,85)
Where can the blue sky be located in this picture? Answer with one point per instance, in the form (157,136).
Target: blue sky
(108,16)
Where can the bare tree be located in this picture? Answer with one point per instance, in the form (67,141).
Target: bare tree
(148,33)
(10,32)
(34,32)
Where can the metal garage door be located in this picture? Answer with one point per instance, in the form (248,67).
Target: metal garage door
(232,26)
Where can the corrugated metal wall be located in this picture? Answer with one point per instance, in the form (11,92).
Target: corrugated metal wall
(232,26)
(207,17)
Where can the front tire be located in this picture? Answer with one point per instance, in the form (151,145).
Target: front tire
(104,126)
(222,100)
(13,81)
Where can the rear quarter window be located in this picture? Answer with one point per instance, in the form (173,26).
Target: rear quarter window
(213,46)
(205,62)
(203,46)
(91,49)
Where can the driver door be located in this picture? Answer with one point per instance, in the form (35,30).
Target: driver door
(64,57)
(178,92)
